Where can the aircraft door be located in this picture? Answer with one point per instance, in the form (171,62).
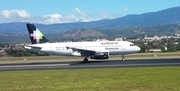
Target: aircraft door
(123,47)
(51,50)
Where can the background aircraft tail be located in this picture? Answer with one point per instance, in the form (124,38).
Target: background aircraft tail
(35,35)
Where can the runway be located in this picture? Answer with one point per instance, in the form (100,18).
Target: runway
(90,64)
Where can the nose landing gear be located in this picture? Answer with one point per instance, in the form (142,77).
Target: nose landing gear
(123,59)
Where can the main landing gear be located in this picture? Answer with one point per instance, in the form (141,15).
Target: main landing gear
(85,60)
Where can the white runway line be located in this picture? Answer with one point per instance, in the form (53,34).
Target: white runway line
(16,66)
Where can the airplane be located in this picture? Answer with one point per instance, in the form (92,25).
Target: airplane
(92,50)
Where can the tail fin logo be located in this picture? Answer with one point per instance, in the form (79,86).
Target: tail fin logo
(37,35)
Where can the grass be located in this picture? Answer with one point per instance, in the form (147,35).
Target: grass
(114,79)
(108,79)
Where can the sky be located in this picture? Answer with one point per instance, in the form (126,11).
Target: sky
(67,11)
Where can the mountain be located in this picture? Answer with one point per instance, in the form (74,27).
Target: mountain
(167,16)
(91,34)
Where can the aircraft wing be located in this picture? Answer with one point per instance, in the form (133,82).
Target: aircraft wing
(33,47)
(84,52)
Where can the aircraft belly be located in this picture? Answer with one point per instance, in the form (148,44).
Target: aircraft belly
(63,53)
(117,52)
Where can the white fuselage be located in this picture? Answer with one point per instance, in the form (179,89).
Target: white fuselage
(112,47)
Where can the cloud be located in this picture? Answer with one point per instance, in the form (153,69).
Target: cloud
(107,15)
(57,18)
(81,13)
(125,9)
(14,15)
(54,18)
(103,15)
(83,16)
(79,16)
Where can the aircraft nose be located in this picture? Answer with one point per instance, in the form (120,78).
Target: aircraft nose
(138,48)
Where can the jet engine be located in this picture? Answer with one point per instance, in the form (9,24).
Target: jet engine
(101,55)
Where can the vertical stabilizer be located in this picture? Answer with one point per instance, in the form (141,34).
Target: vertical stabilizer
(35,35)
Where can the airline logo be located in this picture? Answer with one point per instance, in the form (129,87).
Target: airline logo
(109,43)
(37,35)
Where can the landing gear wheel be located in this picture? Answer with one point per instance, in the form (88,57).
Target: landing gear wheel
(85,60)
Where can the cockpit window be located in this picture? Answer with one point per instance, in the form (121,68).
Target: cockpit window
(132,45)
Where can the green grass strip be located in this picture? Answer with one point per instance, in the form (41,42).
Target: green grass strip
(108,79)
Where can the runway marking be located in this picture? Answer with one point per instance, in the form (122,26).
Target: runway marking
(13,66)
(124,65)
(55,65)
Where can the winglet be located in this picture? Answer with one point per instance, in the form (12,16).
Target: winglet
(35,35)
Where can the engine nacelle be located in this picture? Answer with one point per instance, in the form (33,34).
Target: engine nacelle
(75,53)
(101,55)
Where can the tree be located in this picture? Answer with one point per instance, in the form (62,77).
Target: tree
(141,45)
(178,46)
(171,47)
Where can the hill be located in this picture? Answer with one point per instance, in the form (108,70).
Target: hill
(90,34)
(167,16)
